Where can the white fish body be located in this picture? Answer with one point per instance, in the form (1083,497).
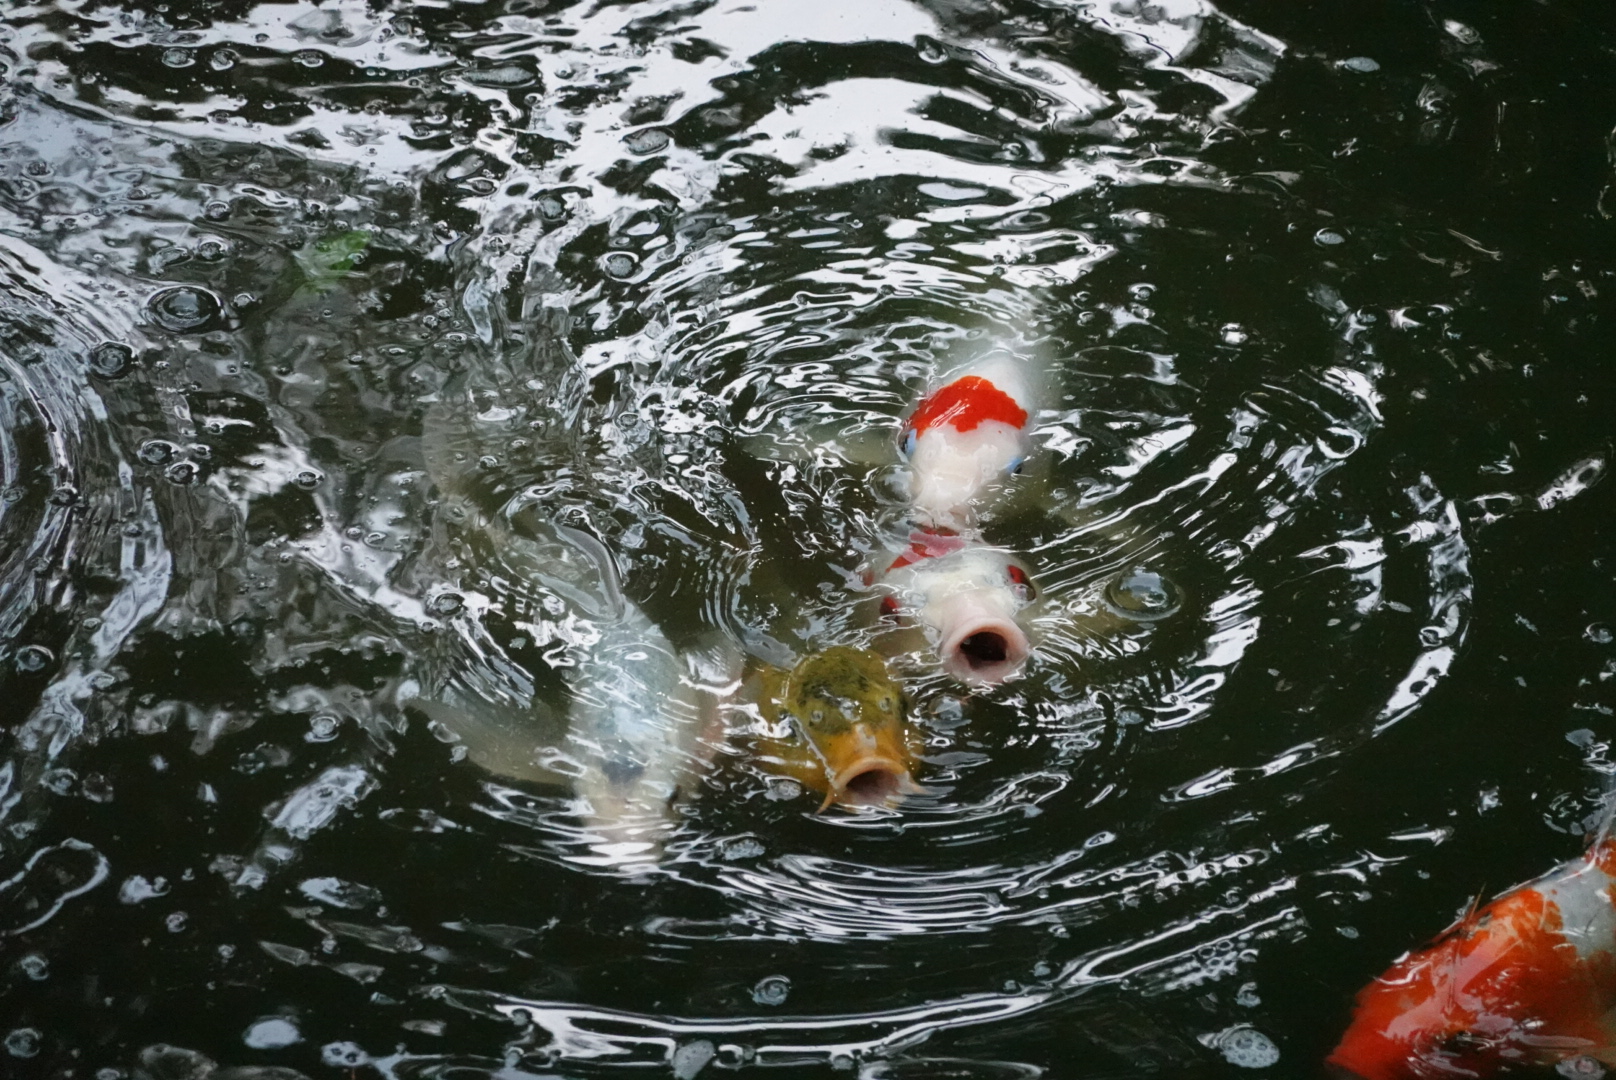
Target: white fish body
(966,436)
(636,725)
(967,597)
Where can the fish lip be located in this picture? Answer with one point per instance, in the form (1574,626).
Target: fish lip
(1000,654)
(893,781)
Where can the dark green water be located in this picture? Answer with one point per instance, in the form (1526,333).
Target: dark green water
(293,293)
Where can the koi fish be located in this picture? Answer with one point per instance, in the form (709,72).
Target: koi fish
(1528,980)
(966,597)
(848,736)
(965,435)
(638,729)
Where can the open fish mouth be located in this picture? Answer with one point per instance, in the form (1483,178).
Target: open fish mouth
(985,650)
(875,780)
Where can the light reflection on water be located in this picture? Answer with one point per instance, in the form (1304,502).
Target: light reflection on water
(326,325)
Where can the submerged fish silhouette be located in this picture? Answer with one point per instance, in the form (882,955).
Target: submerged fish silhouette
(1529,979)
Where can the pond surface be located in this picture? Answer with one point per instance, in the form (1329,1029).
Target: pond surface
(308,307)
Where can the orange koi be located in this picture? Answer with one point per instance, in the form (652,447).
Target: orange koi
(1529,979)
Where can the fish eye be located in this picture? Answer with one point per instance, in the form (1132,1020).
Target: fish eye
(1023,584)
(885,704)
(1014,468)
(817,716)
(906,442)
(889,607)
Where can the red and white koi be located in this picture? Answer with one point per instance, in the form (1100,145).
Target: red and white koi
(967,598)
(963,436)
(1528,980)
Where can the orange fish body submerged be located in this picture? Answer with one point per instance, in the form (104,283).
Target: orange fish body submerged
(849,738)
(1530,979)
(965,435)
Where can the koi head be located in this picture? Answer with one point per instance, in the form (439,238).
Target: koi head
(850,711)
(1503,989)
(962,437)
(969,598)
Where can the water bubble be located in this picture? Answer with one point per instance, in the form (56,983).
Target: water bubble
(178,58)
(344,1055)
(22,1042)
(1361,65)
(272,1033)
(1234,334)
(35,966)
(1248,1048)
(1598,633)
(1328,238)
(307,479)
(223,59)
(216,210)
(1339,442)
(1142,291)
(1580,1067)
(183,473)
(309,58)
(446,603)
(744,847)
(34,658)
(211,249)
(137,890)
(111,359)
(771,990)
(59,781)
(322,728)
(157,452)
(691,1058)
(184,309)
(781,790)
(619,264)
(647,140)
(552,208)
(1141,593)
(64,495)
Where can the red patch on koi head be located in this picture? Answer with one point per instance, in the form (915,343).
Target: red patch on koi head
(927,545)
(1485,996)
(964,404)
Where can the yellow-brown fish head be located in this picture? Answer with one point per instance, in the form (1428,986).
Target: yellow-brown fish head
(850,711)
